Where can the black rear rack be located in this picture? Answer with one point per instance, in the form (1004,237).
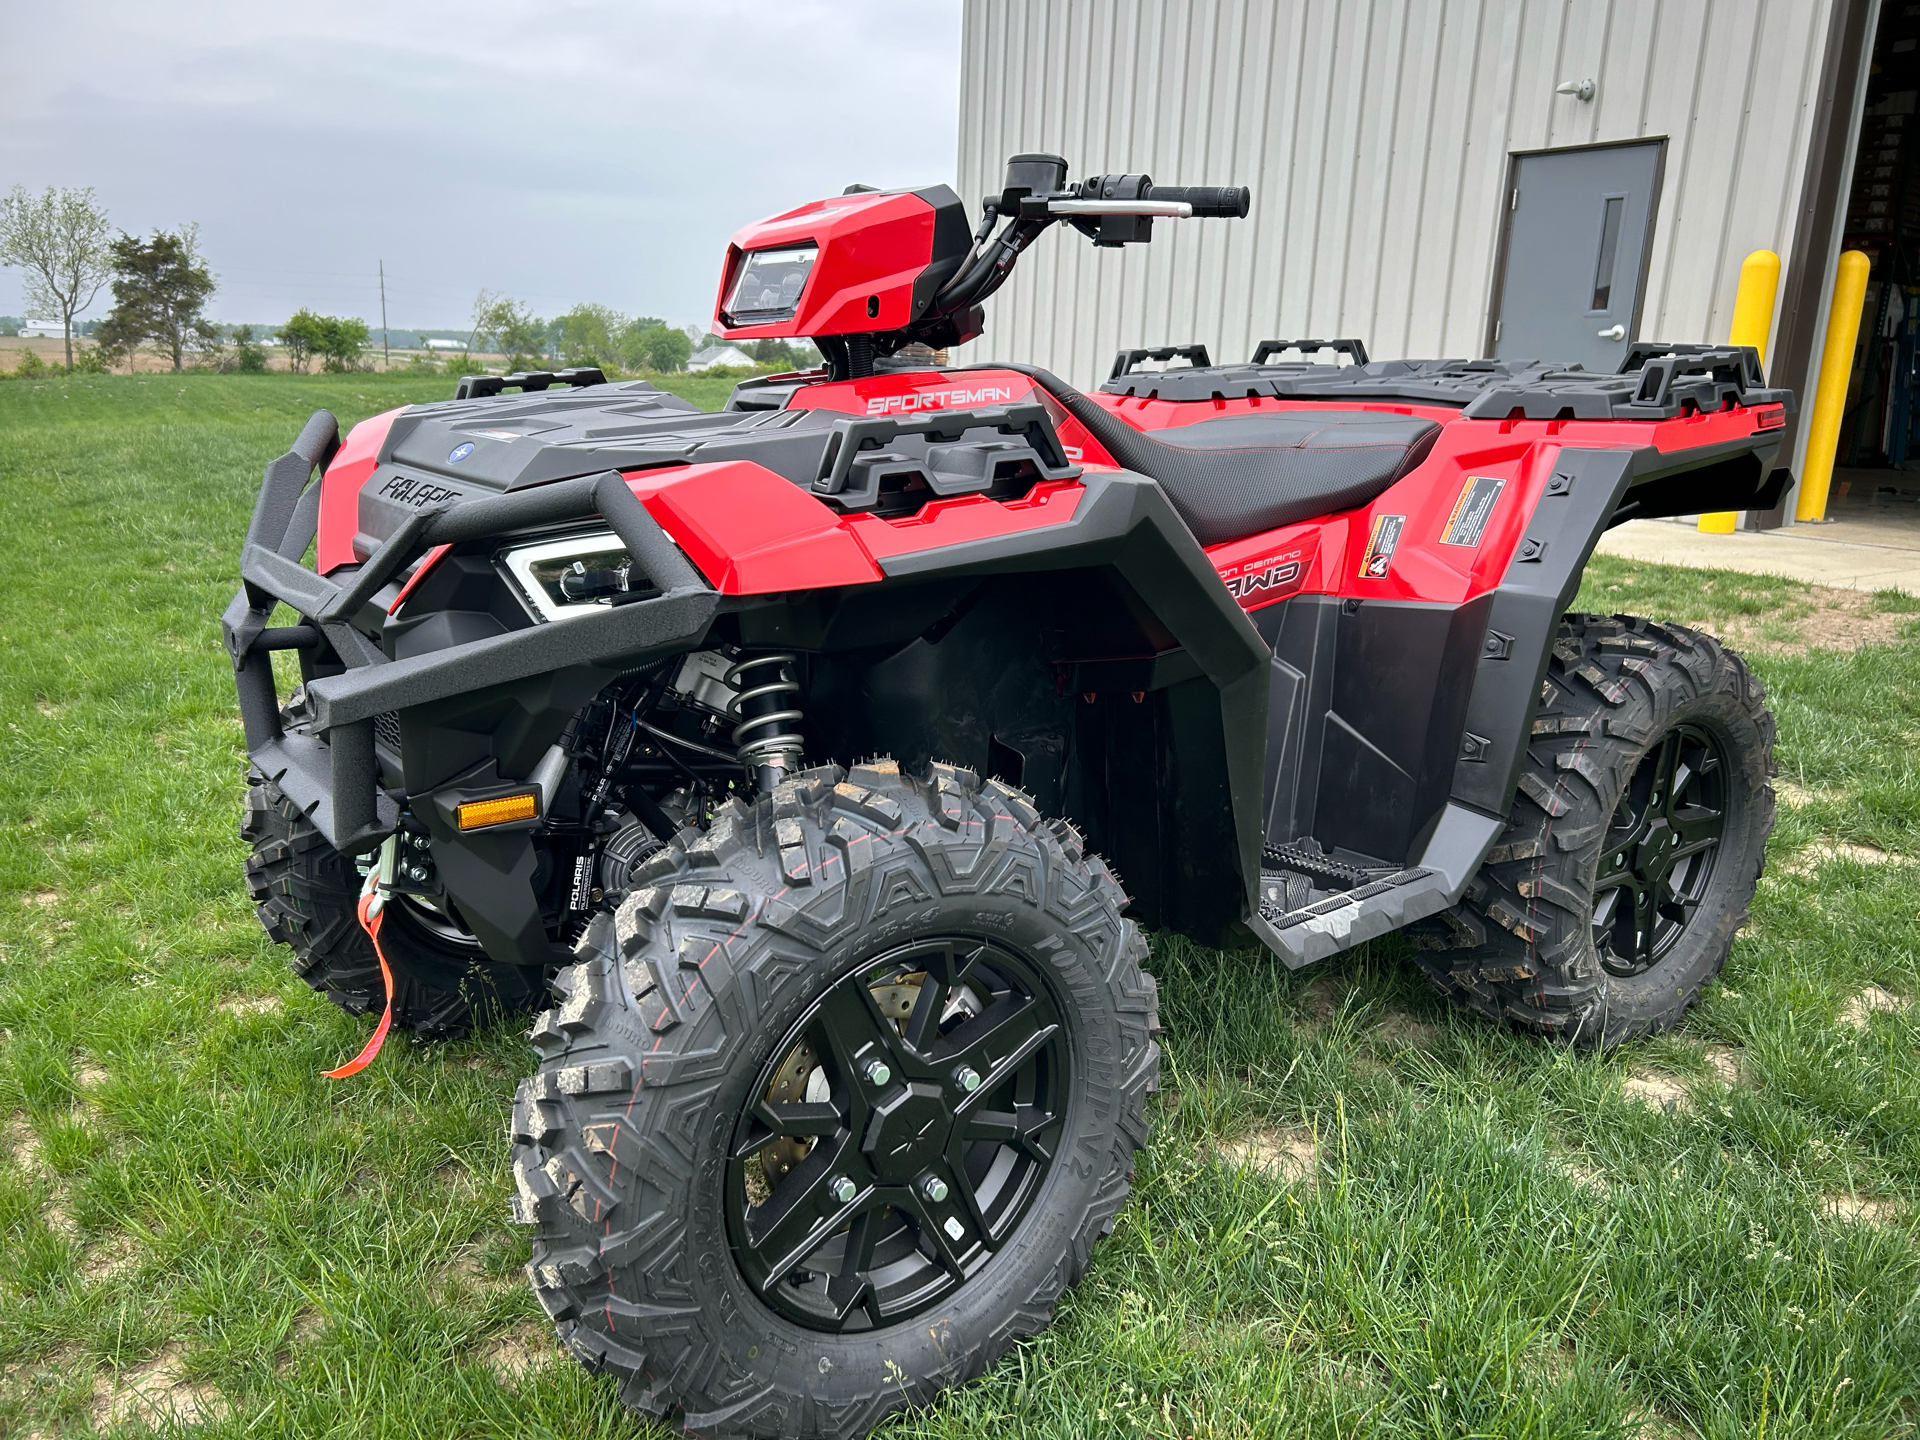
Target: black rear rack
(1656,382)
(478,387)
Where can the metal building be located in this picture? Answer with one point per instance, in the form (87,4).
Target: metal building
(1425,171)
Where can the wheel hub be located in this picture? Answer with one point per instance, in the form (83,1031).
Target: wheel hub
(1661,850)
(898,1134)
(907,1133)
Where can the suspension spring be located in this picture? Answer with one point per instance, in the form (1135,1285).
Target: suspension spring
(765,737)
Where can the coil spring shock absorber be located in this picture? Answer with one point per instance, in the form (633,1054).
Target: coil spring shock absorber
(765,737)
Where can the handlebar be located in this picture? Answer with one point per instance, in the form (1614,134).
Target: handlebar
(1110,210)
(1212,202)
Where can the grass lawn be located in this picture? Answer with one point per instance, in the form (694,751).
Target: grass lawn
(1361,1213)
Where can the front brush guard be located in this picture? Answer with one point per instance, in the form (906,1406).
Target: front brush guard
(329,769)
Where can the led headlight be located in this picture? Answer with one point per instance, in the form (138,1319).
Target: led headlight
(575,575)
(768,288)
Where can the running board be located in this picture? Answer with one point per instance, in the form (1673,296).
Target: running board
(1347,917)
(1301,922)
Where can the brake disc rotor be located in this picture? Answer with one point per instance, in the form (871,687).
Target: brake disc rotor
(800,1077)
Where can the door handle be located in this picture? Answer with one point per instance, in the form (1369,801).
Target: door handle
(1617,332)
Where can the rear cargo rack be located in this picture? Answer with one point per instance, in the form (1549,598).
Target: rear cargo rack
(478,387)
(1656,382)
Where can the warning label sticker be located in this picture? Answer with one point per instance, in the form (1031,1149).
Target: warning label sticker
(1380,546)
(1472,510)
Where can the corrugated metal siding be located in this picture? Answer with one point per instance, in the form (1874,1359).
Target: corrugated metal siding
(1375,134)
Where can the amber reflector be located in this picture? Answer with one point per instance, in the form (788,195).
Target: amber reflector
(476,814)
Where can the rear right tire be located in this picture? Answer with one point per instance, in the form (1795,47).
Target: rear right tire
(1633,846)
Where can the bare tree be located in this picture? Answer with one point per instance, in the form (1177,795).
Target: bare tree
(60,240)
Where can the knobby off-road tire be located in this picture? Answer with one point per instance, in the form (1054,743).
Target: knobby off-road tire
(306,893)
(1634,844)
(825,923)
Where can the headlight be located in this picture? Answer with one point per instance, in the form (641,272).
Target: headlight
(768,290)
(574,576)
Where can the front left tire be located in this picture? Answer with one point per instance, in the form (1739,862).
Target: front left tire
(836,1106)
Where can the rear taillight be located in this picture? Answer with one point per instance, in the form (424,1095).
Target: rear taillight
(1770,417)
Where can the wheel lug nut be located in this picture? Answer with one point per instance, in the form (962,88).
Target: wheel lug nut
(934,1188)
(842,1189)
(877,1073)
(967,1078)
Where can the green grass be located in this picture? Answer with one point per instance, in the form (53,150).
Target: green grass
(1495,1240)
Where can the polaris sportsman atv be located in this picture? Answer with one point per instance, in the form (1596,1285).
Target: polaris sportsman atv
(800,748)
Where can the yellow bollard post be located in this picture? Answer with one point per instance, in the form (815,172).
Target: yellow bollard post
(1830,397)
(1752,322)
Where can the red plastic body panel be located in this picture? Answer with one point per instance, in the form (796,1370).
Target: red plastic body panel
(871,247)
(752,532)
(1328,556)
(913,392)
(352,466)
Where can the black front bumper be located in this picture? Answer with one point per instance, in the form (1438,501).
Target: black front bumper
(328,766)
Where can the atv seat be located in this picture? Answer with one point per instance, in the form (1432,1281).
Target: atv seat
(1242,474)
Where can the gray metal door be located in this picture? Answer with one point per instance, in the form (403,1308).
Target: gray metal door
(1574,253)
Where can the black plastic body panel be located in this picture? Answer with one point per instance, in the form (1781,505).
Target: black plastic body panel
(1365,709)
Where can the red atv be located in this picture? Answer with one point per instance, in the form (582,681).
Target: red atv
(800,749)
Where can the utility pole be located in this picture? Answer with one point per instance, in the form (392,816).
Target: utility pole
(386,357)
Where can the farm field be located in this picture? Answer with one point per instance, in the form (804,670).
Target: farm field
(1361,1214)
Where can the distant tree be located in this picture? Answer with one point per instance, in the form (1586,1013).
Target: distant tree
(302,336)
(508,328)
(342,343)
(784,354)
(589,335)
(160,289)
(660,348)
(249,355)
(60,240)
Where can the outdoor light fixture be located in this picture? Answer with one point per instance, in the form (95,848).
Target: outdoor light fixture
(1582,88)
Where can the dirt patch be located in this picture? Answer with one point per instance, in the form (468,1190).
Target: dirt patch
(1837,620)
(1807,861)
(1724,1061)
(521,1350)
(1582,1174)
(112,1257)
(25,1145)
(244,1006)
(1858,1011)
(1397,1030)
(1323,998)
(1659,1092)
(1867,1209)
(43,898)
(1289,1156)
(46,708)
(153,1393)
(89,1076)
(1798,797)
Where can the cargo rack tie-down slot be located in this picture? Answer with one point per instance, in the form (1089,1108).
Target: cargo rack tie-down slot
(331,773)
(857,465)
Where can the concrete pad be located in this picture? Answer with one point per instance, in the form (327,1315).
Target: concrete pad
(1846,555)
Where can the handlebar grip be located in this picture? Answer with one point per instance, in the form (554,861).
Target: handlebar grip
(1216,202)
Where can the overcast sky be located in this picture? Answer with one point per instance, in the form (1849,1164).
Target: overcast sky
(557,152)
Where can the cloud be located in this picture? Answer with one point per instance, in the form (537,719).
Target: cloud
(583,151)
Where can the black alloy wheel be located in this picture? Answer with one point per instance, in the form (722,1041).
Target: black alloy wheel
(898,1134)
(1636,837)
(1658,859)
(835,1107)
